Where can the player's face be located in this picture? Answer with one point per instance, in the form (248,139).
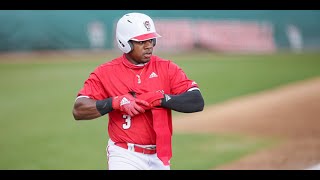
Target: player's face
(141,52)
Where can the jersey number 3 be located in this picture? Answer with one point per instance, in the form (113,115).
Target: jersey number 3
(127,124)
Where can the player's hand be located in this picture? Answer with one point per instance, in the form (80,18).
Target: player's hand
(129,105)
(153,98)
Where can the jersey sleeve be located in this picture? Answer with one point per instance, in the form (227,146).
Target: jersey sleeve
(93,87)
(179,82)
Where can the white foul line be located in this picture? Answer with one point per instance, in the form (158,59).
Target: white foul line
(315,167)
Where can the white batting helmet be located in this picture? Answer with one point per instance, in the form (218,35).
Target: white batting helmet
(136,27)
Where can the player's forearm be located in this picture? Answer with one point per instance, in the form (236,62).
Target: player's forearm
(188,102)
(85,109)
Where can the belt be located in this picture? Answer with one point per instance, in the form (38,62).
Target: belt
(135,148)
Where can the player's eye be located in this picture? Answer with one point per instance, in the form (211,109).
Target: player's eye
(150,41)
(144,42)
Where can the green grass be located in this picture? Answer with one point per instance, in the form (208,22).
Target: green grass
(224,77)
(37,130)
(207,151)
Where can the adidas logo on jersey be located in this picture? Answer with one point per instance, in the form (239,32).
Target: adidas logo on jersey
(153,75)
(124,101)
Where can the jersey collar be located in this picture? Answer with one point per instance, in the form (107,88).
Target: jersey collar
(128,64)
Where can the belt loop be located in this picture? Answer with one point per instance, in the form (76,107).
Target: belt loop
(130,147)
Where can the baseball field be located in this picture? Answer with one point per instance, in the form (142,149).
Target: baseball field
(261,112)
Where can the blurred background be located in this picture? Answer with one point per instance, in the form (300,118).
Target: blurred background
(46,55)
(222,31)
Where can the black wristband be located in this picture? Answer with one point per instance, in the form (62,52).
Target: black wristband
(104,106)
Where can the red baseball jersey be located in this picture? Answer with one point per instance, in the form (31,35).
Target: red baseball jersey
(118,77)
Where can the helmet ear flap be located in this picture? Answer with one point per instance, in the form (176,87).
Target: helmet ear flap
(124,45)
(131,45)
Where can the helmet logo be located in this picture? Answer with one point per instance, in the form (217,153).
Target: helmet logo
(147,25)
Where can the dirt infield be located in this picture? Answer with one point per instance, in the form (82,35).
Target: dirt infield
(290,112)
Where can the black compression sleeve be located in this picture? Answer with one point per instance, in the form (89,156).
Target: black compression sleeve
(104,106)
(188,102)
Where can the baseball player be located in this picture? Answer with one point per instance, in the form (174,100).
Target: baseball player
(137,90)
